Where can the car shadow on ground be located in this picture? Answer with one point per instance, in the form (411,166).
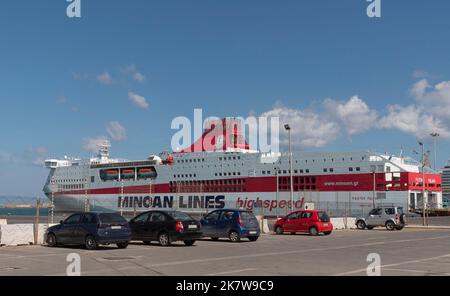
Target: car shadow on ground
(155,244)
(224,240)
(81,247)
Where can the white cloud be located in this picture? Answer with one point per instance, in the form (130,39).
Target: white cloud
(116,131)
(35,156)
(135,74)
(61,100)
(6,157)
(38,155)
(413,120)
(354,114)
(308,128)
(419,74)
(138,100)
(434,99)
(92,144)
(104,78)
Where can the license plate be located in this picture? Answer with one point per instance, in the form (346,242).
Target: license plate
(252,232)
(116,227)
(326,224)
(192,226)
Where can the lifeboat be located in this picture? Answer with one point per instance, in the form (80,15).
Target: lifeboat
(147,172)
(128,174)
(110,174)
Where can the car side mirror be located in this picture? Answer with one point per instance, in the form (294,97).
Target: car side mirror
(61,222)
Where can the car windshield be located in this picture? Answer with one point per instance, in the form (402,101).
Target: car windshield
(180,216)
(323,217)
(111,218)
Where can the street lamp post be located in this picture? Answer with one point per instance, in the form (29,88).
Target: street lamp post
(373,186)
(423,184)
(434,135)
(288,128)
(278,190)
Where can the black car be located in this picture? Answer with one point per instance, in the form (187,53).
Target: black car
(91,230)
(165,227)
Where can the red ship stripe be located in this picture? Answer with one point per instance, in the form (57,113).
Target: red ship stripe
(318,183)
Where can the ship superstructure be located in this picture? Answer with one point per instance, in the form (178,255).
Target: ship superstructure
(226,173)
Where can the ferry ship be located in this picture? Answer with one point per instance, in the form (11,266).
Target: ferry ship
(227,174)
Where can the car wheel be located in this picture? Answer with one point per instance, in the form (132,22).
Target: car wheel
(215,238)
(327,233)
(253,238)
(313,231)
(189,243)
(122,245)
(51,240)
(234,236)
(279,230)
(361,224)
(164,239)
(91,243)
(400,227)
(390,225)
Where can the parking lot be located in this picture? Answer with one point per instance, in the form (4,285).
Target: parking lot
(407,252)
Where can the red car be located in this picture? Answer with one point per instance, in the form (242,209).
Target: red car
(309,221)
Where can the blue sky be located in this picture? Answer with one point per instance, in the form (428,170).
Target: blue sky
(323,64)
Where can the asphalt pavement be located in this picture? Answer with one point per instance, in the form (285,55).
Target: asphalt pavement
(346,252)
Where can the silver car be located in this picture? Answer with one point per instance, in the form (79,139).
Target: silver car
(391,217)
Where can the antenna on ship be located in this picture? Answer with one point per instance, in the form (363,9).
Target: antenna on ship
(103,152)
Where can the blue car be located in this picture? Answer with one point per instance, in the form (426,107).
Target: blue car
(91,230)
(231,224)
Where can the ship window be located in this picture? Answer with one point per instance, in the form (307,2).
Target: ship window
(284,172)
(295,171)
(350,169)
(301,171)
(307,170)
(358,169)
(325,170)
(239,173)
(215,174)
(331,170)
(92,179)
(263,172)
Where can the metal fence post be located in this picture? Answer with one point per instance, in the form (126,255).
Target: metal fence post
(36,222)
